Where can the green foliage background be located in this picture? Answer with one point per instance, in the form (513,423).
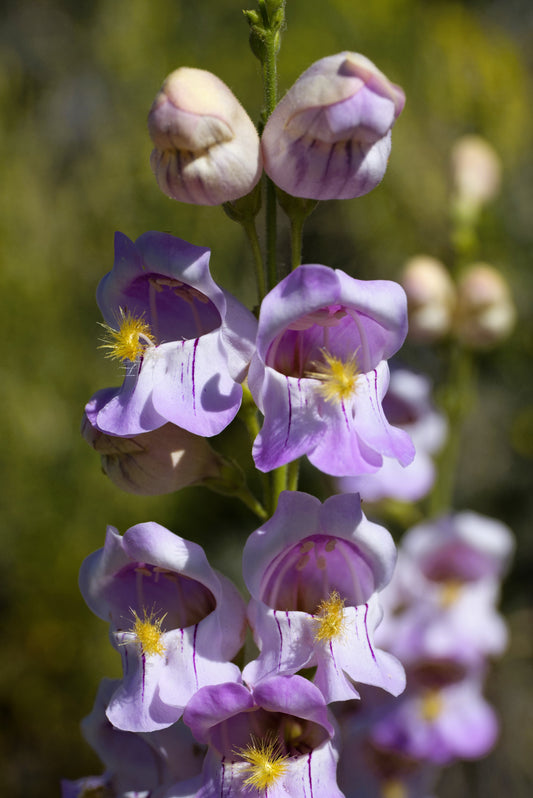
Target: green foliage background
(76,80)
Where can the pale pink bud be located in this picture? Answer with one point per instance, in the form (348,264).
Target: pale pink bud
(207,150)
(154,463)
(330,136)
(430,297)
(476,170)
(485,309)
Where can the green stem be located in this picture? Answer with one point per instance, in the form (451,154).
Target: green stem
(297,227)
(292,476)
(279,484)
(270,72)
(271,223)
(457,403)
(270,84)
(252,503)
(251,234)
(248,414)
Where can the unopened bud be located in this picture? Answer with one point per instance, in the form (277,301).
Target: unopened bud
(330,136)
(485,309)
(153,463)
(476,171)
(430,298)
(207,149)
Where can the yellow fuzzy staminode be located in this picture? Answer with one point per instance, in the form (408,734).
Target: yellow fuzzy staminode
(329,618)
(130,340)
(266,763)
(431,706)
(338,378)
(393,789)
(148,632)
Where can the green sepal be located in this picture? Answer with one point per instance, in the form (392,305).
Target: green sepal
(246,208)
(295,207)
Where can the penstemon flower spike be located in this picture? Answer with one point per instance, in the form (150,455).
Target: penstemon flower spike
(307,373)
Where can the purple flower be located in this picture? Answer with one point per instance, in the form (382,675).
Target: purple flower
(407,405)
(320,372)
(175,621)
(185,342)
(330,136)
(443,596)
(369,770)
(458,631)
(440,725)
(464,547)
(272,741)
(313,570)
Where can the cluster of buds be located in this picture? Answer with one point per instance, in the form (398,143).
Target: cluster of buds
(477,310)
(328,138)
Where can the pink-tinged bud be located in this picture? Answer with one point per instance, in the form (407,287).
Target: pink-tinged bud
(154,463)
(207,150)
(476,171)
(431,298)
(485,309)
(330,136)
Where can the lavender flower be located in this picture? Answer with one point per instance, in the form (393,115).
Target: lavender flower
(186,343)
(175,621)
(369,769)
(440,725)
(272,741)
(320,372)
(313,570)
(330,136)
(447,585)
(463,547)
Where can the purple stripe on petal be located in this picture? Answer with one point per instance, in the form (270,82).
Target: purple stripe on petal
(194,654)
(345,415)
(310,774)
(280,639)
(333,656)
(367,635)
(222,776)
(290,412)
(193,375)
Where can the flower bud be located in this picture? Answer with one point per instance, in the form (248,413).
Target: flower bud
(330,136)
(207,149)
(485,309)
(430,298)
(476,171)
(153,463)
